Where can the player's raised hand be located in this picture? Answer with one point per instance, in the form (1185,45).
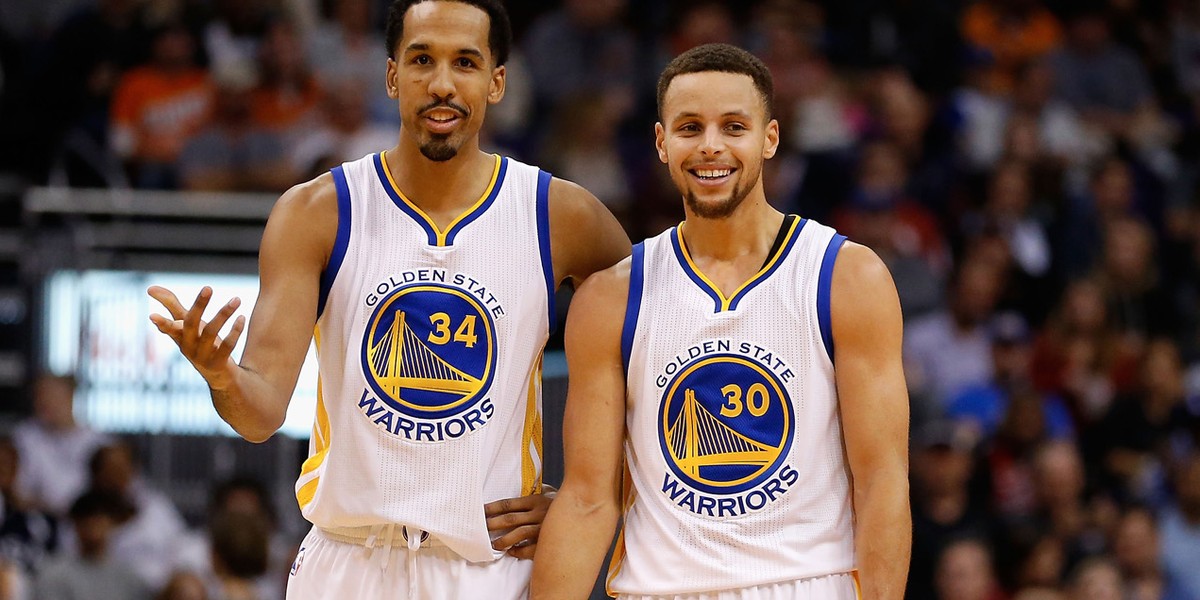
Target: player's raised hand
(200,341)
(521,519)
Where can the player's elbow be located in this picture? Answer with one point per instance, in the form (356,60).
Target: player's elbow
(256,435)
(258,430)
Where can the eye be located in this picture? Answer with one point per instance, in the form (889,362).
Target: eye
(466,63)
(422,59)
(736,127)
(689,128)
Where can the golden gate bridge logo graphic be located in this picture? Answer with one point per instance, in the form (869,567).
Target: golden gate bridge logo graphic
(699,439)
(740,448)
(406,367)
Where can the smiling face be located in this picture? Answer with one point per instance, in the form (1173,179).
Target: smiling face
(714,137)
(443,77)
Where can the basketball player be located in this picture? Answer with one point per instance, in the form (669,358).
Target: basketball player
(428,272)
(756,468)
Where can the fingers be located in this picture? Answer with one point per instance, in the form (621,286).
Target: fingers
(518,539)
(499,507)
(167,298)
(515,519)
(199,340)
(191,318)
(209,333)
(535,510)
(523,551)
(231,340)
(509,505)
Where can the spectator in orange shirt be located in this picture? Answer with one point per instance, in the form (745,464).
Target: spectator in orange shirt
(157,107)
(1014,32)
(288,96)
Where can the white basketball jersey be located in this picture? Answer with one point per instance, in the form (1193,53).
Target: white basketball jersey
(430,346)
(737,472)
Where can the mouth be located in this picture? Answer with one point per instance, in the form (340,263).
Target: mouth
(712,175)
(442,120)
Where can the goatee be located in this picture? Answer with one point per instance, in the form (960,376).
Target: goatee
(438,150)
(719,209)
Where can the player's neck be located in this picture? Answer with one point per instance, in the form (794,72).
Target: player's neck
(750,230)
(438,186)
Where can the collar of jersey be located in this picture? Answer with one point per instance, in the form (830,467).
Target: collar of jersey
(720,302)
(437,237)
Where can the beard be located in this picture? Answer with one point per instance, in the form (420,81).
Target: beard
(720,209)
(439,149)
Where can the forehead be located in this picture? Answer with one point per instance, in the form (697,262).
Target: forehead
(712,93)
(446,24)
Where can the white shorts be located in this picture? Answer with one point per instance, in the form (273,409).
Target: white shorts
(840,586)
(332,569)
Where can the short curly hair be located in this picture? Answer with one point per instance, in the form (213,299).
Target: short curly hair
(722,58)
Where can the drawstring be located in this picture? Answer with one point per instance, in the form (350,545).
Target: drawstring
(385,535)
(389,534)
(414,543)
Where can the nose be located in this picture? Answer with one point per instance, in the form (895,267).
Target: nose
(712,143)
(441,85)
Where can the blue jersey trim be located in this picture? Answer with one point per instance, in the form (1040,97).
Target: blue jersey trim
(685,264)
(417,218)
(824,282)
(340,242)
(543,228)
(776,260)
(482,208)
(633,306)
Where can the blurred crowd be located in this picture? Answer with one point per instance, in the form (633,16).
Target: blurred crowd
(81,521)
(1029,170)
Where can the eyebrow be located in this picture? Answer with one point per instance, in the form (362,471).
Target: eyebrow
(421,47)
(693,115)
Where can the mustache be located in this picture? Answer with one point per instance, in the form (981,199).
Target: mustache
(461,110)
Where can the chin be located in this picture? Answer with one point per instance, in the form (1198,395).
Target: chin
(439,150)
(714,208)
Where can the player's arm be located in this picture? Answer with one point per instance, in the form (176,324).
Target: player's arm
(253,396)
(867,330)
(577,532)
(585,237)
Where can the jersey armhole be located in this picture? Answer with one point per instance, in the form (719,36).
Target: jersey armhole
(824,282)
(543,229)
(343,238)
(633,305)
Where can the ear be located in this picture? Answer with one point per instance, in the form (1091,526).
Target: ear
(393,80)
(771,144)
(496,87)
(660,142)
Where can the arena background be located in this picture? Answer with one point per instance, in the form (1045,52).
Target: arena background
(1028,170)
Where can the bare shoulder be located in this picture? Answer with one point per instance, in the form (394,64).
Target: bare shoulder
(568,195)
(859,269)
(864,302)
(597,310)
(303,223)
(315,198)
(570,203)
(609,286)
(585,237)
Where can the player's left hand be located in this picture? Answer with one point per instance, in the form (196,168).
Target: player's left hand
(520,519)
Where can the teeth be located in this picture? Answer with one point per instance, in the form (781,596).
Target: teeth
(711,173)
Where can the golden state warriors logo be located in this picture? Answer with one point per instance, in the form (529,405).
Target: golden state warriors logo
(726,427)
(429,354)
